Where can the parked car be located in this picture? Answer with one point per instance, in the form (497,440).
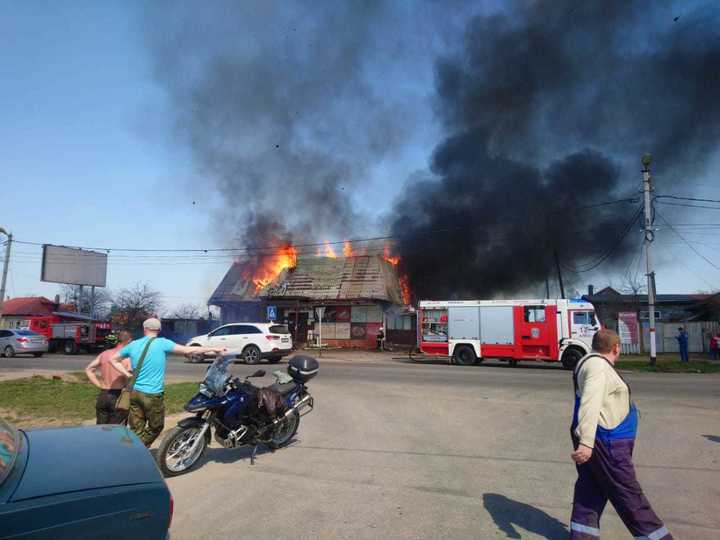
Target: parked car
(80,483)
(16,341)
(248,341)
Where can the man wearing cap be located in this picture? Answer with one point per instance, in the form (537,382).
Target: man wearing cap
(146,416)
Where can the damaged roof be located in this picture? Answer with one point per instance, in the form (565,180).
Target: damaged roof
(318,278)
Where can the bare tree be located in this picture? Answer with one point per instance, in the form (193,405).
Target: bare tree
(132,305)
(99,304)
(632,283)
(186,312)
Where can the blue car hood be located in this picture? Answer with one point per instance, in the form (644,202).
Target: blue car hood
(64,460)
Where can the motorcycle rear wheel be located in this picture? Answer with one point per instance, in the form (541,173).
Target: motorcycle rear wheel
(172,454)
(285,432)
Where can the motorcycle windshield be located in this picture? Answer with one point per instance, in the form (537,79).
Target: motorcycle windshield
(217,375)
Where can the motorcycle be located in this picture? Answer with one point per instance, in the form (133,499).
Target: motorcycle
(233,409)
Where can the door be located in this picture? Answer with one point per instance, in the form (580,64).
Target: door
(220,337)
(298,328)
(536,332)
(583,326)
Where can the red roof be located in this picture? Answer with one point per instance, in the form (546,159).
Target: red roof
(31,305)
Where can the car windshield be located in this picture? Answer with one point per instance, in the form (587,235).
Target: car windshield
(8,449)
(217,374)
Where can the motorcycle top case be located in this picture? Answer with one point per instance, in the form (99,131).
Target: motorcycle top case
(303,368)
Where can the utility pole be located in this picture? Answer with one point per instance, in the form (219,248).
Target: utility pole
(3,283)
(648,240)
(559,272)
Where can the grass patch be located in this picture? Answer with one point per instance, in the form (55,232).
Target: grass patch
(45,401)
(667,364)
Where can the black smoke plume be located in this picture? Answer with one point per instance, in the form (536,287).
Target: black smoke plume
(284,105)
(548,107)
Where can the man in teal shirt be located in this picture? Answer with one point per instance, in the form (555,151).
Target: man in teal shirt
(146,416)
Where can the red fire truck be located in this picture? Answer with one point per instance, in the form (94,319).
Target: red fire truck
(70,333)
(468,331)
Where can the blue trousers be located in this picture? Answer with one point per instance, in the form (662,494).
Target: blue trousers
(684,353)
(609,475)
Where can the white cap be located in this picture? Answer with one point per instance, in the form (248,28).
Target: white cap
(152,324)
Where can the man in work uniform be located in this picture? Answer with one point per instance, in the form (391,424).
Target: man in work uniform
(146,416)
(682,339)
(603,431)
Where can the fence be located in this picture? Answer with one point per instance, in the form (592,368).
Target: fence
(699,334)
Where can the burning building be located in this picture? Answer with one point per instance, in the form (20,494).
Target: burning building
(360,293)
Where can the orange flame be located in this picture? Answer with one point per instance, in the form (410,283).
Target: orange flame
(348,250)
(271,266)
(329,251)
(405,289)
(394,260)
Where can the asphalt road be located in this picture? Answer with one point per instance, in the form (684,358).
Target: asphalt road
(402,450)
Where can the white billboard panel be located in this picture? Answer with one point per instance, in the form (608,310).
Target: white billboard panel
(74,266)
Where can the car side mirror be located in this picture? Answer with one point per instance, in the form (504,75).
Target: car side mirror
(258,373)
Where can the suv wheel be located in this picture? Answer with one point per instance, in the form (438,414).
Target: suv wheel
(251,354)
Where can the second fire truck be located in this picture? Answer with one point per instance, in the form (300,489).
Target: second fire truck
(468,331)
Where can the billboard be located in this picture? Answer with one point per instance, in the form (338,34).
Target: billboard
(74,266)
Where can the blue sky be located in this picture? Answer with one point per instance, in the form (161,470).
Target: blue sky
(87,158)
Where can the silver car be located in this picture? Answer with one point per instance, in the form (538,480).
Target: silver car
(14,342)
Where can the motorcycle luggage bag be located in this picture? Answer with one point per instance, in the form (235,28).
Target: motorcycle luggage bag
(302,368)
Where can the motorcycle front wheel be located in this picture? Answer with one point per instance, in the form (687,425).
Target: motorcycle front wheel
(176,454)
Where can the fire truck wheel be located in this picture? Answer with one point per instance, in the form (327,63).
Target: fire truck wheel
(70,347)
(464,355)
(571,357)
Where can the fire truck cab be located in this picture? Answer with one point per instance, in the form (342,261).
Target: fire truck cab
(468,331)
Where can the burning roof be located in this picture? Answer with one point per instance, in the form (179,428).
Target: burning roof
(368,277)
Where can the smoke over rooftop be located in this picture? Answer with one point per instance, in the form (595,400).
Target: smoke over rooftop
(545,107)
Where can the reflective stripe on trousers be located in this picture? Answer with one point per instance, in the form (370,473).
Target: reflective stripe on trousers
(609,475)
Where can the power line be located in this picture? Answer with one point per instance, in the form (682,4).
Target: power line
(688,205)
(687,242)
(626,230)
(693,199)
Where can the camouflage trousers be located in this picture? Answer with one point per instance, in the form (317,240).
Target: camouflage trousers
(146,417)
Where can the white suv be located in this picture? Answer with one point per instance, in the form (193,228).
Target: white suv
(249,341)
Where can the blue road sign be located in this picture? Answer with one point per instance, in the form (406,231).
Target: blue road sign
(272,313)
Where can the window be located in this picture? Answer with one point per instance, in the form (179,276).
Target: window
(224,331)
(5,333)
(242,329)
(279,329)
(535,314)
(582,317)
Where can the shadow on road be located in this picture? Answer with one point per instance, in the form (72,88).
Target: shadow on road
(507,513)
(712,438)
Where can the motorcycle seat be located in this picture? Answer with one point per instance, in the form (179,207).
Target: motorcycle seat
(283,389)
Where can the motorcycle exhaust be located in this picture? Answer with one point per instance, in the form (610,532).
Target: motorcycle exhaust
(306,401)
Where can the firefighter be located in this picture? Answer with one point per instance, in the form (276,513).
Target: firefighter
(603,432)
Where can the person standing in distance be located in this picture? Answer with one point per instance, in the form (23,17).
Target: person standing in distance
(682,339)
(146,416)
(603,432)
(110,382)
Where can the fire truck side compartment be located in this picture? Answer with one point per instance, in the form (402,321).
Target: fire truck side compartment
(464,323)
(497,326)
